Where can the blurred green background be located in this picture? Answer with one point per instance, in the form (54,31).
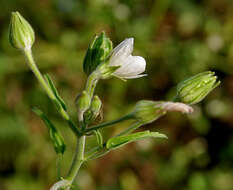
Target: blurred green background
(178,38)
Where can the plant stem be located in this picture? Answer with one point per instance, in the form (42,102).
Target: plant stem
(91,83)
(31,63)
(58,165)
(77,160)
(37,73)
(130,129)
(109,123)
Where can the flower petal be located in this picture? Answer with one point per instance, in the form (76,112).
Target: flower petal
(135,76)
(132,67)
(121,52)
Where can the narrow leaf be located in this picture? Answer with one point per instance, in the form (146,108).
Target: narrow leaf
(99,138)
(57,139)
(119,141)
(55,92)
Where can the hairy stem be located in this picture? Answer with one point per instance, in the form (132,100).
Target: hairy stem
(77,160)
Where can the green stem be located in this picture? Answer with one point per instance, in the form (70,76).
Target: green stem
(91,83)
(58,165)
(35,70)
(77,160)
(99,151)
(31,63)
(130,129)
(109,123)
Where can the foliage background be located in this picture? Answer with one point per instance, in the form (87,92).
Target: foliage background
(177,38)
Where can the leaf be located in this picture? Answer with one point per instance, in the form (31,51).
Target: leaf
(119,141)
(57,139)
(99,138)
(55,92)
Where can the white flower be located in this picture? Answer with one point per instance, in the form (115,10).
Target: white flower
(131,66)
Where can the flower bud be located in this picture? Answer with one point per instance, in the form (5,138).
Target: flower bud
(196,88)
(147,111)
(94,110)
(21,34)
(97,52)
(96,105)
(83,102)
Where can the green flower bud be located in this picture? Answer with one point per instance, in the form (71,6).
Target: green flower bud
(96,53)
(96,105)
(147,111)
(93,111)
(21,34)
(83,102)
(196,88)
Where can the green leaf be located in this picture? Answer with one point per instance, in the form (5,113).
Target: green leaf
(119,141)
(99,138)
(55,92)
(57,139)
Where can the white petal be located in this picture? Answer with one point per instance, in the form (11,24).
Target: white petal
(132,67)
(135,76)
(177,106)
(121,52)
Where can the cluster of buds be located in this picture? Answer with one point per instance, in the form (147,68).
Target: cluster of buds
(88,109)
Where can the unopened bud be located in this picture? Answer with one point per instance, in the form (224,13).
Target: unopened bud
(83,102)
(93,111)
(21,34)
(196,88)
(147,111)
(97,52)
(96,105)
